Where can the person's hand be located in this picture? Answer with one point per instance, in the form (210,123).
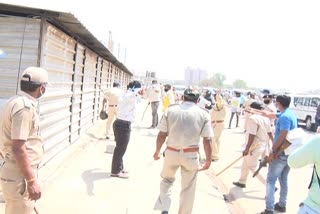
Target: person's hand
(156,155)
(141,92)
(245,152)
(272,157)
(34,190)
(318,129)
(205,166)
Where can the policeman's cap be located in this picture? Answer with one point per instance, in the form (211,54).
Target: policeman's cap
(265,91)
(191,93)
(35,75)
(268,96)
(256,105)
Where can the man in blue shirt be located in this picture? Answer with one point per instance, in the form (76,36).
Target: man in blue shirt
(278,167)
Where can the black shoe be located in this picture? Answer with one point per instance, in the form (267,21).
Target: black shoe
(164,212)
(238,184)
(152,127)
(107,137)
(267,212)
(280,209)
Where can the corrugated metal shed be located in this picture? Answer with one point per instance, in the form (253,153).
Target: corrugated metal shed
(69,24)
(80,68)
(20,37)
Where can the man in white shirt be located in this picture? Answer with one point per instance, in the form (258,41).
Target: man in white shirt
(122,126)
(154,95)
(112,96)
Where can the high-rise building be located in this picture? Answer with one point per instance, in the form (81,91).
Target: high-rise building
(193,76)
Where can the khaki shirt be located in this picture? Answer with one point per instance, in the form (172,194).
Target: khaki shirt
(259,126)
(185,124)
(113,95)
(218,112)
(19,120)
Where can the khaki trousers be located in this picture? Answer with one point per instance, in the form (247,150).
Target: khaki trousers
(112,114)
(268,147)
(14,190)
(188,163)
(217,131)
(250,163)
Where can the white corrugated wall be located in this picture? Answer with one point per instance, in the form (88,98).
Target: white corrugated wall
(58,50)
(73,99)
(77,92)
(19,39)
(88,96)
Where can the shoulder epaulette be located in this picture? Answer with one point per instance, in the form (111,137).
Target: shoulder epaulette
(27,102)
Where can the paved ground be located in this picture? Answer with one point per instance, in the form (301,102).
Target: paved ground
(250,200)
(82,184)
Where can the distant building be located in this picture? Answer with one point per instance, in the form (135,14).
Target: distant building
(193,76)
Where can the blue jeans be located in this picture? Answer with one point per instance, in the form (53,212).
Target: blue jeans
(278,169)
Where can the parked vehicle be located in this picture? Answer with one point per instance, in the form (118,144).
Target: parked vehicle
(305,108)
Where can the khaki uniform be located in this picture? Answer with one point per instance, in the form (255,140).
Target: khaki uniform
(259,126)
(20,121)
(246,114)
(113,96)
(185,124)
(218,115)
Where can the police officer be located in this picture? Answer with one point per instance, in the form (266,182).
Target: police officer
(21,143)
(112,96)
(218,115)
(259,134)
(182,126)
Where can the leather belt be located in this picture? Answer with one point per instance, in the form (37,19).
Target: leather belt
(192,149)
(217,121)
(112,105)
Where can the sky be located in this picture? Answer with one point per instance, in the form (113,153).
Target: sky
(268,44)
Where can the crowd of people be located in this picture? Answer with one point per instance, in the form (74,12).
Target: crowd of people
(185,120)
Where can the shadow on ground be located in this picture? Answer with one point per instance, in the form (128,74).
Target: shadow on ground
(92,175)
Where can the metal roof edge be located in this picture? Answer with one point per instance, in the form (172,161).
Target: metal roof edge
(68,23)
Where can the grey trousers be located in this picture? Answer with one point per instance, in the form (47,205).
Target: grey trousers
(154,108)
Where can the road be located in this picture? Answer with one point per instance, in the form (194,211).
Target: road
(251,199)
(83,183)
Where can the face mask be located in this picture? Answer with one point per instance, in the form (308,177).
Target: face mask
(42,90)
(267,101)
(166,90)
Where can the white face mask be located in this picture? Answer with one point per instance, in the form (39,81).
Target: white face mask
(42,90)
